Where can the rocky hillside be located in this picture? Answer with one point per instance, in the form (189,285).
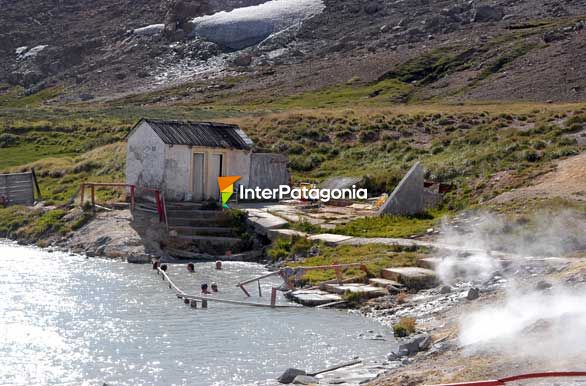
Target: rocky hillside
(50,42)
(452,50)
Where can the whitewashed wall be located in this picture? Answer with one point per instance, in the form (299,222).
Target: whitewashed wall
(177,177)
(145,159)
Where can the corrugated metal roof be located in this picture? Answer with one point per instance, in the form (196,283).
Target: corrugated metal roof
(206,134)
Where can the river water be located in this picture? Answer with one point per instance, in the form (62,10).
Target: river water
(69,320)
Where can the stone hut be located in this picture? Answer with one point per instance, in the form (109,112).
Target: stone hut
(184,159)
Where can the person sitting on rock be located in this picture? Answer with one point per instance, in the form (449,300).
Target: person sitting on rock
(204,289)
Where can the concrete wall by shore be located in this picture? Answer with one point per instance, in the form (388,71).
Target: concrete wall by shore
(410,196)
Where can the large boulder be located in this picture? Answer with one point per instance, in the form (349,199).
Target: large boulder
(487,13)
(290,374)
(412,345)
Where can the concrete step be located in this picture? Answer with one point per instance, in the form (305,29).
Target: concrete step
(312,298)
(428,262)
(204,231)
(195,213)
(263,221)
(329,239)
(412,277)
(184,257)
(212,221)
(274,234)
(384,283)
(173,204)
(182,211)
(366,291)
(215,240)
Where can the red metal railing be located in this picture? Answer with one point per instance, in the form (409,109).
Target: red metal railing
(504,381)
(159,201)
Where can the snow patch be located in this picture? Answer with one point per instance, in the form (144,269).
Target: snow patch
(150,30)
(244,27)
(22,52)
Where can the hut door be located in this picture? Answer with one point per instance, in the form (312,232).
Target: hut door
(215,171)
(198,176)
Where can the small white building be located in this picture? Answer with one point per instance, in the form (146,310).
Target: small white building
(184,159)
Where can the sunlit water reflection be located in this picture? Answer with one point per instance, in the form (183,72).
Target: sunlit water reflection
(68,320)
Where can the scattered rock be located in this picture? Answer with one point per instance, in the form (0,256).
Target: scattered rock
(473,294)
(445,289)
(242,60)
(553,36)
(290,374)
(139,259)
(372,8)
(86,97)
(543,285)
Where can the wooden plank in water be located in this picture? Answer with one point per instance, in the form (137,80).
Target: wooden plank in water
(237,302)
(340,366)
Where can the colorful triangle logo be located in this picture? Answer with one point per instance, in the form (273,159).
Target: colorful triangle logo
(226,185)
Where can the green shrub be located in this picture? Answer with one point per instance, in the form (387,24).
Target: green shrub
(7,140)
(305,226)
(405,327)
(531,156)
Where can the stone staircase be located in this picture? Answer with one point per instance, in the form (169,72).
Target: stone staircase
(197,232)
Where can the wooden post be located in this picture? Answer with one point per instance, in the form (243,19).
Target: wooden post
(164,209)
(273,297)
(339,277)
(132,197)
(39,196)
(259,290)
(82,192)
(193,303)
(204,304)
(93,196)
(245,291)
(159,206)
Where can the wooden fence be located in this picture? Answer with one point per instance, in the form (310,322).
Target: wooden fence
(18,189)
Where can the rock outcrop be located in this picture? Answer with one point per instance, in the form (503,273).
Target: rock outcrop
(487,13)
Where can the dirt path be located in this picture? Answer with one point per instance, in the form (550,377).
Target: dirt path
(568,181)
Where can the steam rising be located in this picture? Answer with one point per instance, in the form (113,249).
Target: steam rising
(546,325)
